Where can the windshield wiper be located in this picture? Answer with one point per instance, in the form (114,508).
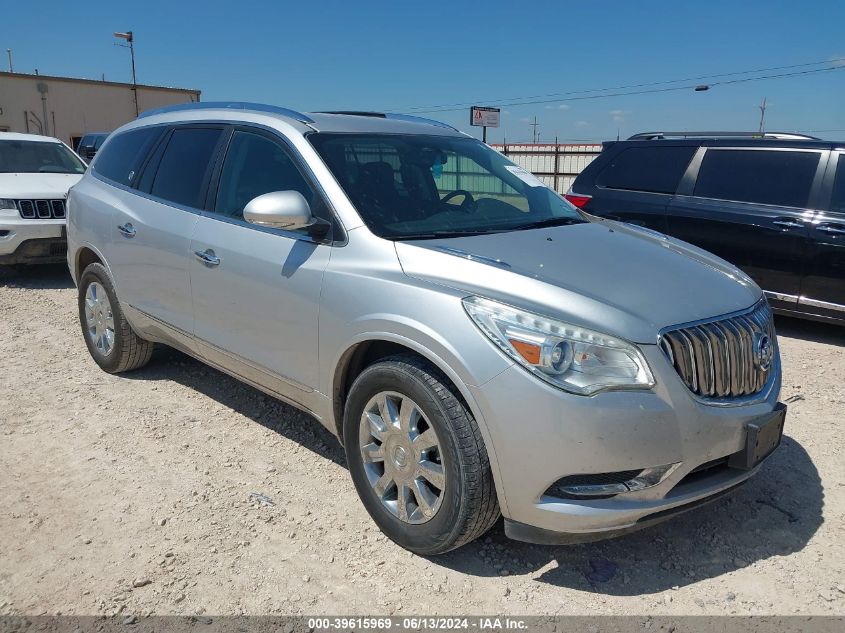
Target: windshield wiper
(438,234)
(541,224)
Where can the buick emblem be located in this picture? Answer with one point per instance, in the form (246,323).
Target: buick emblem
(764,351)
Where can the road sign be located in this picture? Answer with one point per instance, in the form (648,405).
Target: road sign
(484,117)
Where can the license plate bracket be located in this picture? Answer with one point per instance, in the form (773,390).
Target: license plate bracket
(763,435)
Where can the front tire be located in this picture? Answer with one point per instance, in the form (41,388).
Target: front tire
(111,341)
(417,457)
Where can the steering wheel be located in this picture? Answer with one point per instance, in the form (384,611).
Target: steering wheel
(468,204)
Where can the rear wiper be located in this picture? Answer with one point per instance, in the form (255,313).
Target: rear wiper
(540,224)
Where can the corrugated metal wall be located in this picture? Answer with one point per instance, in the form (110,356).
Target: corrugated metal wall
(556,165)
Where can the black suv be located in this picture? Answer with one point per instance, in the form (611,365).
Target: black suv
(772,204)
(89,144)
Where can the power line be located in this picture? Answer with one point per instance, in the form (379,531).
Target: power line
(638,92)
(627,87)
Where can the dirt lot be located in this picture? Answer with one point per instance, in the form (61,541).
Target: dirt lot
(177,490)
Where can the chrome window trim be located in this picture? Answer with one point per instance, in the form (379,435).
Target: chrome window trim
(781,297)
(821,304)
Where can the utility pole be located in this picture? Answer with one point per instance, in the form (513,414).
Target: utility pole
(762,107)
(9,53)
(42,88)
(535,125)
(130,40)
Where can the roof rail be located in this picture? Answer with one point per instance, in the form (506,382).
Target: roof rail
(229,105)
(395,117)
(418,119)
(783,136)
(377,115)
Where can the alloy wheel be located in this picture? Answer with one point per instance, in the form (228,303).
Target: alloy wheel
(402,457)
(99,319)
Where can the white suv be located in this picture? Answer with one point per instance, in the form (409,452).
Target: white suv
(36,173)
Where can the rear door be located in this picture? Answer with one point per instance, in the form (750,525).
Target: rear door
(823,288)
(636,185)
(749,205)
(154,230)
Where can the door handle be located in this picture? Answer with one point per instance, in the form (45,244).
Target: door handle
(208,257)
(788,224)
(127,229)
(833,229)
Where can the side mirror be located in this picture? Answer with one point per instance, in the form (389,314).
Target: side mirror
(279,210)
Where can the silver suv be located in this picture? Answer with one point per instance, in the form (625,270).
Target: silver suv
(479,345)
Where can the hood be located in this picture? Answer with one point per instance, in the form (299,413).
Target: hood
(608,276)
(35,186)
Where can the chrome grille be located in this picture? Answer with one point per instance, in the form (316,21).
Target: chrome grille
(723,358)
(41,209)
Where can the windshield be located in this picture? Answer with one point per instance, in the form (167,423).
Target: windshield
(416,187)
(38,157)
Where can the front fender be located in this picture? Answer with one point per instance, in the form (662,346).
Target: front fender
(437,349)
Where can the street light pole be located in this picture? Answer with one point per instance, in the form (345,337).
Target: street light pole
(130,40)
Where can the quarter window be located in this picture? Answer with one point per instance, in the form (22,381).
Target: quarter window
(650,169)
(837,202)
(121,158)
(185,165)
(256,165)
(781,178)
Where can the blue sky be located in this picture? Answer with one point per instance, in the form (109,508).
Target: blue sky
(395,56)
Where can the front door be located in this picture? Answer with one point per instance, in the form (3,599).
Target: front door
(255,290)
(750,207)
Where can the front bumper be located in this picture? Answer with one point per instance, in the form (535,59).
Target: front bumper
(32,241)
(541,434)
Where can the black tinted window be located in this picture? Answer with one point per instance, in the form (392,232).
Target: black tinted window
(780,178)
(184,165)
(652,169)
(121,157)
(837,202)
(256,165)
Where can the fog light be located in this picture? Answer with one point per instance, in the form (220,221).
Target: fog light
(603,485)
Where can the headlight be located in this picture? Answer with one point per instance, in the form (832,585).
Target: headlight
(6,203)
(567,356)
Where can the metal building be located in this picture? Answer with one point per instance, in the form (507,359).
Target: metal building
(557,165)
(68,108)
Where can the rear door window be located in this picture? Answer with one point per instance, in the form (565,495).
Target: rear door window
(781,178)
(122,155)
(656,169)
(837,201)
(185,165)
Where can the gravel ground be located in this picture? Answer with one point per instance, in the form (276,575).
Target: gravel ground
(178,490)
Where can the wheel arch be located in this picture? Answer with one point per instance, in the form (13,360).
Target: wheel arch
(86,255)
(369,349)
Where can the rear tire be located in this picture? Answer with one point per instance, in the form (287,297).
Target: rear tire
(111,341)
(434,519)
